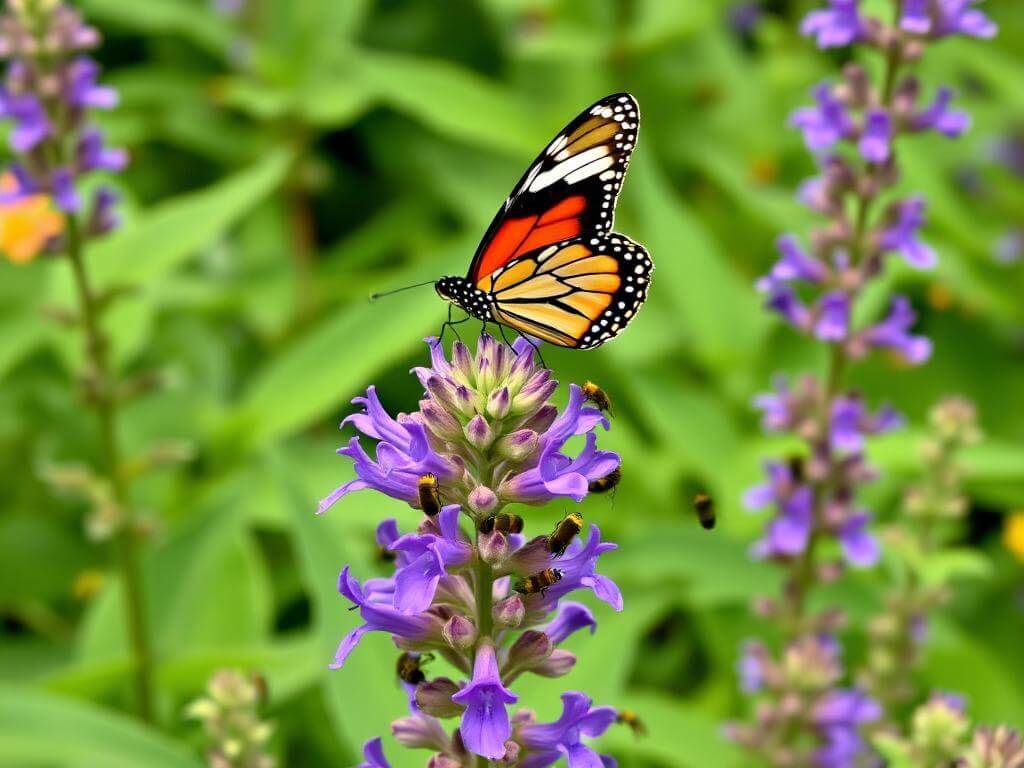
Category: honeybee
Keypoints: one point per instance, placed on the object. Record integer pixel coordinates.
(704, 506)
(597, 396)
(503, 523)
(564, 533)
(606, 483)
(539, 582)
(628, 717)
(409, 667)
(385, 555)
(430, 499)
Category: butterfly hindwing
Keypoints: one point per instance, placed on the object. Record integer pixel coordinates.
(569, 191)
(573, 294)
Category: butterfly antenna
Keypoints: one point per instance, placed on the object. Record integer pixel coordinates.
(381, 294)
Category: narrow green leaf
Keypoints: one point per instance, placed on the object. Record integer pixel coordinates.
(43, 729)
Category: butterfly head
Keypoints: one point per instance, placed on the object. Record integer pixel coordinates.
(463, 294)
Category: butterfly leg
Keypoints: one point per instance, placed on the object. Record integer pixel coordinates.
(451, 324)
(535, 348)
(504, 338)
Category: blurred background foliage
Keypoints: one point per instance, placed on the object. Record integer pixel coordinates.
(292, 158)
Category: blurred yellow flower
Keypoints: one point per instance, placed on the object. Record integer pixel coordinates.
(1013, 534)
(26, 224)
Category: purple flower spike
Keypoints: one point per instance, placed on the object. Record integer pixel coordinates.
(31, 125)
(833, 322)
(427, 559)
(824, 124)
(893, 333)
(788, 534)
(485, 725)
(900, 235)
(939, 117)
(784, 300)
(373, 755)
(794, 264)
(839, 25)
(859, 547)
(941, 18)
(877, 137)
(547, 743)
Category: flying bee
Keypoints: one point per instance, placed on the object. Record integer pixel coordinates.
(597, 396)
(430, 499)
(704, 506)
(564, 533)
(539, 582)
(606, 483)
(503, 523)
(628, 717)
(409, 667)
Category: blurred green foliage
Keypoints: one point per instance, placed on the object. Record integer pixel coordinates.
(292, 159)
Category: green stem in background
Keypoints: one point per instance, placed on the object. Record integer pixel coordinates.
(103, 398)
(484, 598)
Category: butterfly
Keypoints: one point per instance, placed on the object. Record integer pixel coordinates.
(549, 265)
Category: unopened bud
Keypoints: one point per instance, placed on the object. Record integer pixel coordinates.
(559, 663)
(498, 403)
(532, 648)
(493, 547)
(434, 697)
(511, 756)
(459, 632)
(441, 760)
(482, 500)
(518, 445)
(510, 612)
(479, 433)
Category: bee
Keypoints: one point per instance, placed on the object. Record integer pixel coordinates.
(385, 555)
(539, 582)
(503, 523)
(597, 396)
(564, 533)
(430, 499)
(409, 667)
(606, 483)
(704, 506)
(628, 717)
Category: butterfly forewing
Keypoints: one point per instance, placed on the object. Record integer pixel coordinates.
(549, 265)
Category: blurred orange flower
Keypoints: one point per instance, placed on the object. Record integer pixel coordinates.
(26, 224)
(1013, 534)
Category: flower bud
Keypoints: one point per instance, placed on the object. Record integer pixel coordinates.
(534, 393)
(434, 697)
(419, 733)
(482, 500)
(459, 632)
(462, 363)
(442, 392)
(531, 649)
(518, 446)
(511, 756)
(479, 433)
(520, 371)
(559, 663)
(510, 612)
(440, 422)
(493, 548)
(441, 760)
(498, 403)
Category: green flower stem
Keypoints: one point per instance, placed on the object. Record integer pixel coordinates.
(103, 399)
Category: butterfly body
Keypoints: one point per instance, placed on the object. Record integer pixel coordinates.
(549, 265)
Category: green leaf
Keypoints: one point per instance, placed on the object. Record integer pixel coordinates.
(165, 17)
(359, 699)
(336, 360)
(718, 310)
(43, 729)
(678, 734)
(943, 567)
(453, 101)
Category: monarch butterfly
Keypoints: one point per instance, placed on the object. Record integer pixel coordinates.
(549, 265)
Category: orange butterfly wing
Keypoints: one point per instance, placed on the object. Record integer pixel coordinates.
(572, 294)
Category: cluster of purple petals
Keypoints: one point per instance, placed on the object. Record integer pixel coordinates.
(799, 693)
(841, 22)
(488, 433)
(48, 90)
